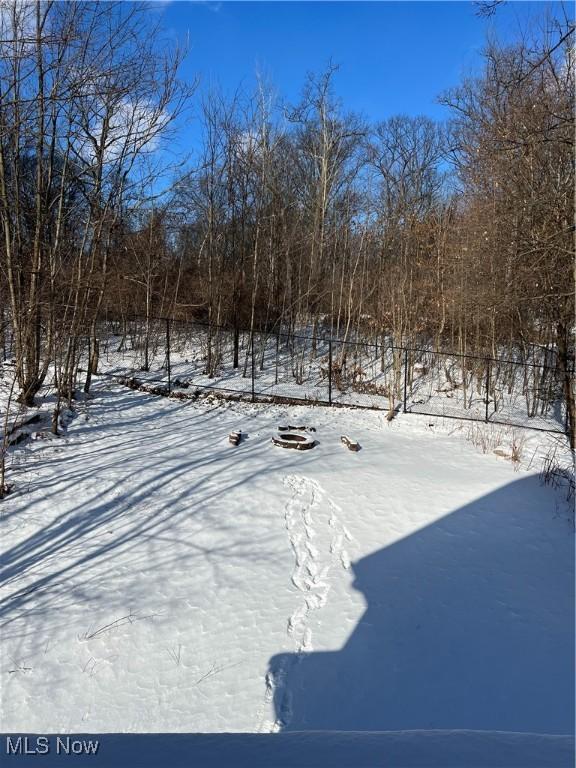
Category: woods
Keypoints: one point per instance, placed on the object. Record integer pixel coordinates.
(290, 217)
(84, 95)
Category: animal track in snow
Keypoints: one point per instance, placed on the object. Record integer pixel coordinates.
(310, 576)
(340, 533)
(300, 524)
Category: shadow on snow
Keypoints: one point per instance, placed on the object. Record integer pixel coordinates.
(469, 625)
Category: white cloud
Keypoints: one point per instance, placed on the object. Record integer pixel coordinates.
(133, 128)
(17, 26)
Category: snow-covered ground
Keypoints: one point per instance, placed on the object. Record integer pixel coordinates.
(156, 578)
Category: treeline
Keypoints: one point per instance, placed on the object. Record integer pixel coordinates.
(86, 91)
(456, 236)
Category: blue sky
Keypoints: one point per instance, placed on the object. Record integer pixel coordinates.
(394, 57)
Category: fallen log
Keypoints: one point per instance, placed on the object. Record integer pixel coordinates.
(352, 445)
(235, 437)
(301, 428)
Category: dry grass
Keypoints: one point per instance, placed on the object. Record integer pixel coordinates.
(502, 441)
(558, 472)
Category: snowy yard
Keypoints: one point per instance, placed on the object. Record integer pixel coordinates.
(157, 579)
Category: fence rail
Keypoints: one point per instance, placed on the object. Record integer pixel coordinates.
(283, 365)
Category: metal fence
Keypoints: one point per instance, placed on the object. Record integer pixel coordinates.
(287, 366)
(497, 390)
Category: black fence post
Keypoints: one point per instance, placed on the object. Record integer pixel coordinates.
(487, 387)
(168, 353)
(235, 348)
(405, 380)
(88, 365)
(330, 372)
(253, 368)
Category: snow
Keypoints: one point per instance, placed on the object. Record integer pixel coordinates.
(157, 579)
